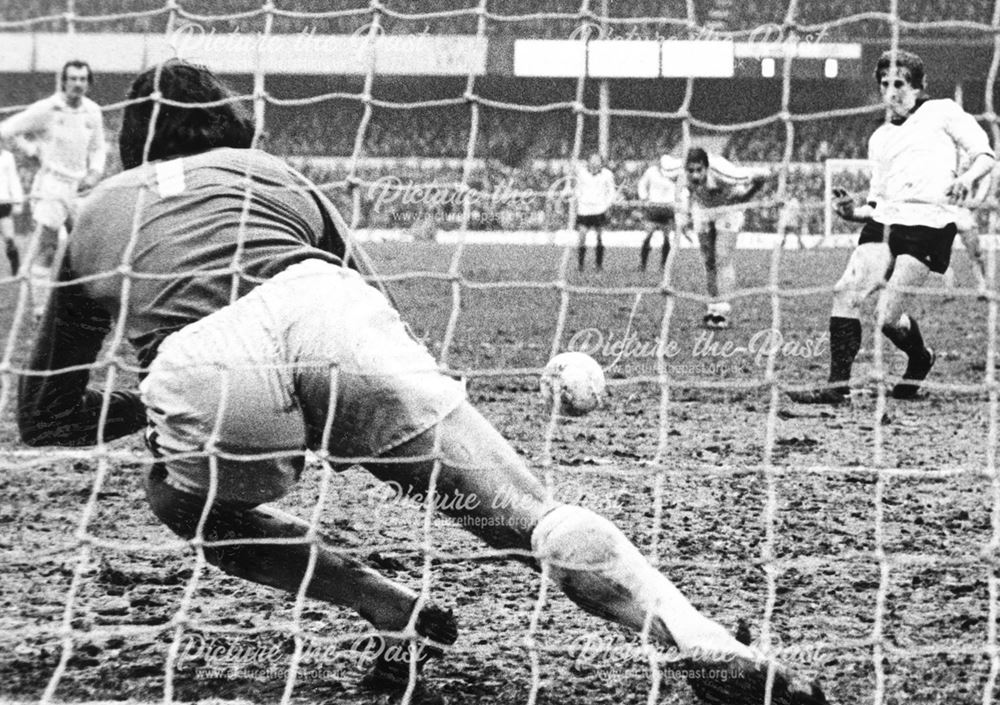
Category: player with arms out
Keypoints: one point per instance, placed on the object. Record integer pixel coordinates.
(909, 220)
(595, 192)
(258, 343)
(11, 203)
(65, 132)
(714, 188)
(658, 191)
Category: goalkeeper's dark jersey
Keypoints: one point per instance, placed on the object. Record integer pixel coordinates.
(156, 248)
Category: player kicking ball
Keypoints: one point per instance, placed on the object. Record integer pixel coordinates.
(711, 197)
(258, 343)
(909, 220)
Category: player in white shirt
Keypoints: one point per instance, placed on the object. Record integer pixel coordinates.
(595, 192)
(916, 198)
(714, 189)
(11, 200)
(658, 191)
(65, 132)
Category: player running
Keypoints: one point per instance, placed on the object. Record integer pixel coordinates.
(658, 191)
(259, 343)
(65, 132)
(595, 192)
(713, 191)
(11, 202)
(909, 220)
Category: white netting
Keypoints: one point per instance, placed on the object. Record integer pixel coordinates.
(857, 653)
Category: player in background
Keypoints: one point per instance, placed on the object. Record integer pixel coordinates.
(658, 191)
(595, 192)
(11, 202)
(909, 220)
(793, 221)
(714, 189)
(968, 231)
(65, 133)
(295, 351)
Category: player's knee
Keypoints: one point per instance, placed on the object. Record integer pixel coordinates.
(571, 538)
(179, 511)
(846, 303)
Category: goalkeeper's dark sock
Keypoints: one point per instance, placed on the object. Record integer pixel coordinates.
(644, 254)
(581, 256)
(599, 252)
(906, 337)
(665, 253)
(845, 341)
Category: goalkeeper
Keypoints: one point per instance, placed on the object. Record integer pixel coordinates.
(226, 270)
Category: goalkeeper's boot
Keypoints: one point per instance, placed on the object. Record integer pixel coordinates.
(832, 395)
(741, 681)
(917, 369)
(391, 667)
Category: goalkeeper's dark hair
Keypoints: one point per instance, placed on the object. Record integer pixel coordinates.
(906, 60)
(697, 155)
(179, 130)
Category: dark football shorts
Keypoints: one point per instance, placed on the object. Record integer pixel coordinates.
(660, 215)
(5, 210)
(598, 220)
(871, 232)
(932, 246)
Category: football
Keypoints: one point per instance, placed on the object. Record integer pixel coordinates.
(574, 382)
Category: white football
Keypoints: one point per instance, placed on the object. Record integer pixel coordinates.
(573, 381)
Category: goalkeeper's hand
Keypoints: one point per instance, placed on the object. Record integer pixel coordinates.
(739, 681)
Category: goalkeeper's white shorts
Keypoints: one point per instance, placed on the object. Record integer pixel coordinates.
(313, 356)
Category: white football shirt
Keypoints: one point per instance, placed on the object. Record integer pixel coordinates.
(659, 186)
(914, 163)
(70, 141)
(594, 192)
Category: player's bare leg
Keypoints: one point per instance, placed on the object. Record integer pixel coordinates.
(593, 562)
(706, 244)
(867, 269)
(901, 328)
(718, 267)
(39, 258)
(725, 256)
(336, 578)
(10, 245)
(970, 240)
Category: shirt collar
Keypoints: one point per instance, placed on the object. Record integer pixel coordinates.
(921, 99)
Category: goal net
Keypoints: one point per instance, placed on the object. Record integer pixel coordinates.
(856, 544)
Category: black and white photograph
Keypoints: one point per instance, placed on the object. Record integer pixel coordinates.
(447, 352)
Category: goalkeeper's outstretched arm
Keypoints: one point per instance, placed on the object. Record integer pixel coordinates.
(55, 406)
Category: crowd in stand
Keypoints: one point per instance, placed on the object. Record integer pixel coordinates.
(527, 18)
(513, 136)
(517, 149)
